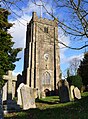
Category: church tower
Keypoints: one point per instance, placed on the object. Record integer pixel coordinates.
(41, 56)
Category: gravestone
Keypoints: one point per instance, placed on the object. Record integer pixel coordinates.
(28, 98)
(63, 89)
(10, 105)
(19, 99)
(10, 84)
(19, 95)
(77, 93)
(4, 95)
(35, 91)
(72, 92)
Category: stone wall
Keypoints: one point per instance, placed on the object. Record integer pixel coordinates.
(42, 62)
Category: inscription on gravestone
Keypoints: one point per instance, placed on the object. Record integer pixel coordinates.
(28, 98)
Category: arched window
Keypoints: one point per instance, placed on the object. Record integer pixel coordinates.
(46, 29)
(46, 78)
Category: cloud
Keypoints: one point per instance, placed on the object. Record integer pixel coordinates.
(15, 73)
(66, 64)
(65, 53)
(18, 31)
(79, 57)
(31, 7)
(66, 40)
(38, 9)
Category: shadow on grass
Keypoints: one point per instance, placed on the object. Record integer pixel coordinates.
(71, 110)
(48, 102)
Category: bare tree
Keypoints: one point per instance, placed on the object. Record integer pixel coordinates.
(73, 66)
(13, 6)
(71, 15)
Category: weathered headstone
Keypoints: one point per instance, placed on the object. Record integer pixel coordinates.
(77, 93)
(19, 95)
(19, 99)
(28, 98)
(63, 89)
(72, 92)
(4, 95)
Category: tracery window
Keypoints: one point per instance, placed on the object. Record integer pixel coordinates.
(46, 78)
(46, 29)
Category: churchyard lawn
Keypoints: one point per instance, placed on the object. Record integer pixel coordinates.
(51, 108)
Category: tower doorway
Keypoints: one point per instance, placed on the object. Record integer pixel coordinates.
(47, 92)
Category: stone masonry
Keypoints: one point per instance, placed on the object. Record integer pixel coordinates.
(41, 55)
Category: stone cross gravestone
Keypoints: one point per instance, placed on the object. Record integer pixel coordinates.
(9, 78)
(28, 98)
(77, 93)
(10, 104)
(63, 89)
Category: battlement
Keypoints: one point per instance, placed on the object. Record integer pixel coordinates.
(41, 20)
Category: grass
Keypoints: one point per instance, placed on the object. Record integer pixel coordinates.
(51, 108)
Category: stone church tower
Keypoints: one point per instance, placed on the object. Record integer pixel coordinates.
(41, 56)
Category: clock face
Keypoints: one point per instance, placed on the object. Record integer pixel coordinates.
(46, 56)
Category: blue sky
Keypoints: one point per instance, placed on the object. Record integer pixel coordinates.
(18, 31)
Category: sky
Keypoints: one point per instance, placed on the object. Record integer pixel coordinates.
(18, 31)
